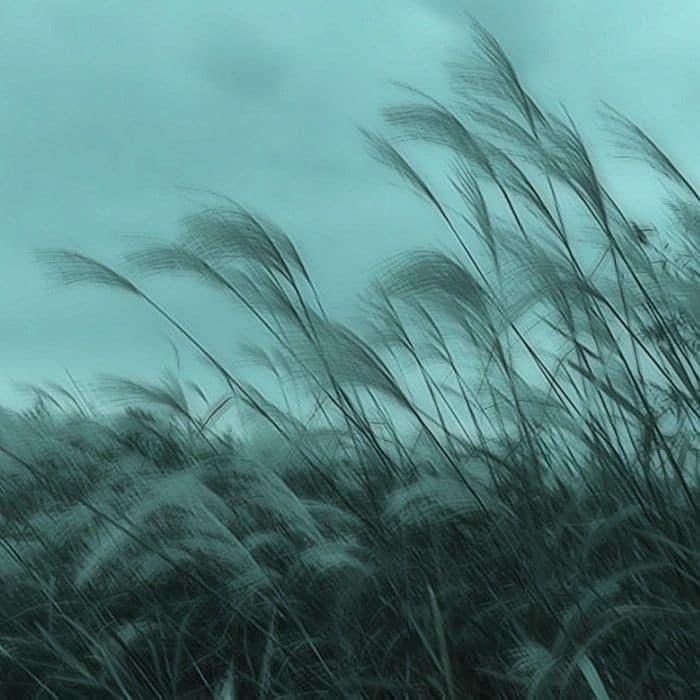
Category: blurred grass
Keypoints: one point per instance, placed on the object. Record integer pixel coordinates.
(527, 540)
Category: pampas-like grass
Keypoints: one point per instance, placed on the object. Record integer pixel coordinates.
(524, 538)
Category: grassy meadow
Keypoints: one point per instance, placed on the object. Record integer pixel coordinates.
(529, 537)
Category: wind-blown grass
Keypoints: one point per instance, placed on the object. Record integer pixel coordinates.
(533, 537)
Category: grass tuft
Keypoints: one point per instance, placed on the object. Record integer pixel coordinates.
(528, 527)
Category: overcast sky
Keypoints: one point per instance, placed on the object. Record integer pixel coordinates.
(108, 110)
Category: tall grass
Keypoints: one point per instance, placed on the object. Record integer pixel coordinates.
(532, 537)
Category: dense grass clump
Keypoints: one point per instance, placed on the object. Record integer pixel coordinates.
(529, 537)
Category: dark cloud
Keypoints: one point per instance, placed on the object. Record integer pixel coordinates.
(240, 60)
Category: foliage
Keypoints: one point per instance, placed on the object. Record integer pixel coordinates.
(531, 540)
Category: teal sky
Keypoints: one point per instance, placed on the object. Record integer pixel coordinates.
(108, 110)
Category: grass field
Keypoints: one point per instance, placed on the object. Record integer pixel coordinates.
(530, 537)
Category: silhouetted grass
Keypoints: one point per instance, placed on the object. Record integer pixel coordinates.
(531, 538)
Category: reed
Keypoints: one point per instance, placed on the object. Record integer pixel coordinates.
(532, 536)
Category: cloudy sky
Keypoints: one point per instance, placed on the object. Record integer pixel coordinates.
(109, 111)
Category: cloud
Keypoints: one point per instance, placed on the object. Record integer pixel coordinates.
(238, 58)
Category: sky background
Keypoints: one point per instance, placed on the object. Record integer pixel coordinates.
(109, 110)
